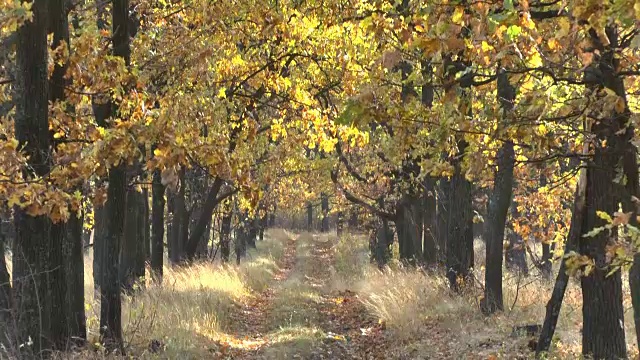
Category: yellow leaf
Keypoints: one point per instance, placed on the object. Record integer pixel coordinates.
(222, 93)
(456, 18)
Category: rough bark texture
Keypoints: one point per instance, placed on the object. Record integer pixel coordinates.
(494, 228)
(498, 207)
(459, 224)
(71, 231)
(409, 228)
(212, 200)
(133, 253)
(562, 279)
(110, 297)
(157, 227)
(77, 322)
(324, 200)
(603, 333)
(178, 223)
(225, 237)
(99, 240)
(5, 292)
(309, 217)
(430, 252)
(38, 261)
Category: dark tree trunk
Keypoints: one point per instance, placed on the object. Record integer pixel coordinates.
(157, 227)
(272, 219)
(498, 208)
(38, 252)
(430, 246)
(382, 243)
(516, 255)
(340, 224)
(110, 297)
(146, 223)
(225, 237)
(178, 223)
(212, 200)
(241, 241)
(171, 211)
(72, 231)
(263, 226)
(459, 224)
(99, 240)
(546, 261)
(409, 228)
(442, 208)
(602, 311)
(5, 292)
(75, 281)
(251, 230)
(324, 201)
(562, 279)
(309, 217)
(133, 253)
(603, 333)
(353, 218)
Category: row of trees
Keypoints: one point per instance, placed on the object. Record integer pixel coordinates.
(425, 116)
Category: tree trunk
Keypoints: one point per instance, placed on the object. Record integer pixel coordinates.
(177, 230)
(38, 255)
(5, 292)
(146, 225)
(212, 200)
(498, 208)
(225, 237)
(409, 228)
(459, 224)
(157, 227)
(603, 333)
(429, 239)
(133, 253)
(382, 246)
(241, 241)
(340, 224)
(110, 297)
(562, 279)
(99, 240)
(75, 280)
(309, 217)
(324, 200)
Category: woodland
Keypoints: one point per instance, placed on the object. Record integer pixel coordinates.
(319, 179)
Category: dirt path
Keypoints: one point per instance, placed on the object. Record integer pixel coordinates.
(298, 317)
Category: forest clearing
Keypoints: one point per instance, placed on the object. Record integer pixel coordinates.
(319, 179)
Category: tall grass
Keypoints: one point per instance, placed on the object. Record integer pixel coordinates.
(418, 308)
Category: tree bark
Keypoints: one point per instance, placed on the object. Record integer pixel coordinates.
(213, 199)
(110, 297)
(6, 303)
(309, 217)
(77, 326)
(38, 255)
(324, 200)
(409, 228)
(225, 237)
(178, 223)
(459, 224)
(562, 279)
(157, 227)
(498, 208)
(429, 238)
(132, 255)
(99, 240)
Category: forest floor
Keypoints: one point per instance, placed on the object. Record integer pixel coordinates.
(300, 316)
(314, 296)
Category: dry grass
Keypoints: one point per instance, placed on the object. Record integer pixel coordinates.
(420, 311)
(193, 305)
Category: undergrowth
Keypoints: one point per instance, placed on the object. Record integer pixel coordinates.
(192, 307)
(425, 319)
